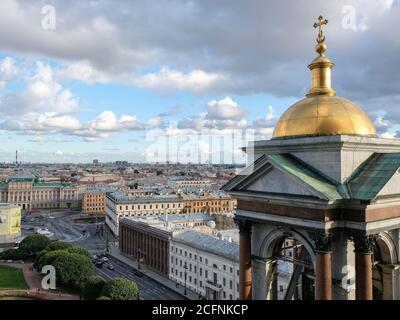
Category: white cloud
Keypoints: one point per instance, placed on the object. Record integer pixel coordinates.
(167, 80)
(225, 109)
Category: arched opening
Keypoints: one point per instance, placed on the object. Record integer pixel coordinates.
(384, 256)
(291, 274)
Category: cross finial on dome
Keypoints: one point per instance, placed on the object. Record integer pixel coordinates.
(321, 46)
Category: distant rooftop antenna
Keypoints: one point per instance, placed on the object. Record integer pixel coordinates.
(16, 157)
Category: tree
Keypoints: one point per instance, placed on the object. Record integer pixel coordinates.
(121, 289)
(79, 250)
(58, 245)
(33, 244)
(53, 246)
(93, 287)
(45, 258)
(73, 269)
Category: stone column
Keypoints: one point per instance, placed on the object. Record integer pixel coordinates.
(323, 266)
(262, 271)
(245, 280)
(363, 248)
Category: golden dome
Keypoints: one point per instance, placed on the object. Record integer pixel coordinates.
(324, 115)
(322, 112)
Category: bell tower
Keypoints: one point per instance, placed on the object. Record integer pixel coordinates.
(318, 210)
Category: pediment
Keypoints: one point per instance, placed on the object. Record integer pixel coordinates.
(278, 181)
(283, 174)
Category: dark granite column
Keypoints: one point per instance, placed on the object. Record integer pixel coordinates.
(323, 266)
(245, 280)
(364, 248)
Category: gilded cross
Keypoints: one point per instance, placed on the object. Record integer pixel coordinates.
(321, 22)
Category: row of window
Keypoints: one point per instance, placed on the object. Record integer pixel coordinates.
(189, 254)
(152, 206)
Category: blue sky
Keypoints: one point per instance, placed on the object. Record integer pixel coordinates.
(107, 79)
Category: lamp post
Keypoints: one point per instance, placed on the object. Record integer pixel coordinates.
(185, 267)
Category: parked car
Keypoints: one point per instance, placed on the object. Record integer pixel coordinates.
(99, 264)
(110, 266)
(138, 273)
(104, 259)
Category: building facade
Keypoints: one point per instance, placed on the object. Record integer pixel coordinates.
(28, 192)
(147, 244)
(94, 202)
(207, 265)
(121, 205)
(10, 225)
(211, 204)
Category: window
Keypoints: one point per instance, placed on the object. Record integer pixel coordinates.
(231, 284)
(231, 270)
(201, 272)
(224, 267)
(224, 281)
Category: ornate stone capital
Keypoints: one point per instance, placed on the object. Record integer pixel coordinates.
(322, 241)
(364, 243)
(243, 225)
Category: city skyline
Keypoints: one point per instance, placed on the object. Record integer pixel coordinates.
(102, 84)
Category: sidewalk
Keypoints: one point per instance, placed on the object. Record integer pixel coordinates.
(33, 280)
(114, 252)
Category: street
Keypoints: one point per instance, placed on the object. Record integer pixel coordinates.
(63, 227)
(149, 289)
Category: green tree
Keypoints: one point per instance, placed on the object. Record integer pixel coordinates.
(73, 269)
(33, 244)
(45, 258)
(53, 246)
(79, 250)
(58, 245)
(121, 289)
(93, 287)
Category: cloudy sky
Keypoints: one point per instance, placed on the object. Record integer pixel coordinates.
(107, 79)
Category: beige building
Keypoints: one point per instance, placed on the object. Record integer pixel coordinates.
(28, 192)
(94, 202)
(120, 205)
(211, 204)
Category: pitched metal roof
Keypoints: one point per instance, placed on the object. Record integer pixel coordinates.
(308, 175)
(366, 182)
(208, 243)
(292, 165)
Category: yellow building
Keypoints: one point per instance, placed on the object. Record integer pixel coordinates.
(211, 204)
(10, 223)
(94, 202)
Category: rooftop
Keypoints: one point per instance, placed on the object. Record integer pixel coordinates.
(208, 243)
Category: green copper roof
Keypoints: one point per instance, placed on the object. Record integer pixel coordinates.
(373, 175)
(309, 176)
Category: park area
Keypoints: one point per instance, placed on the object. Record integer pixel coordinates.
(12, 279)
